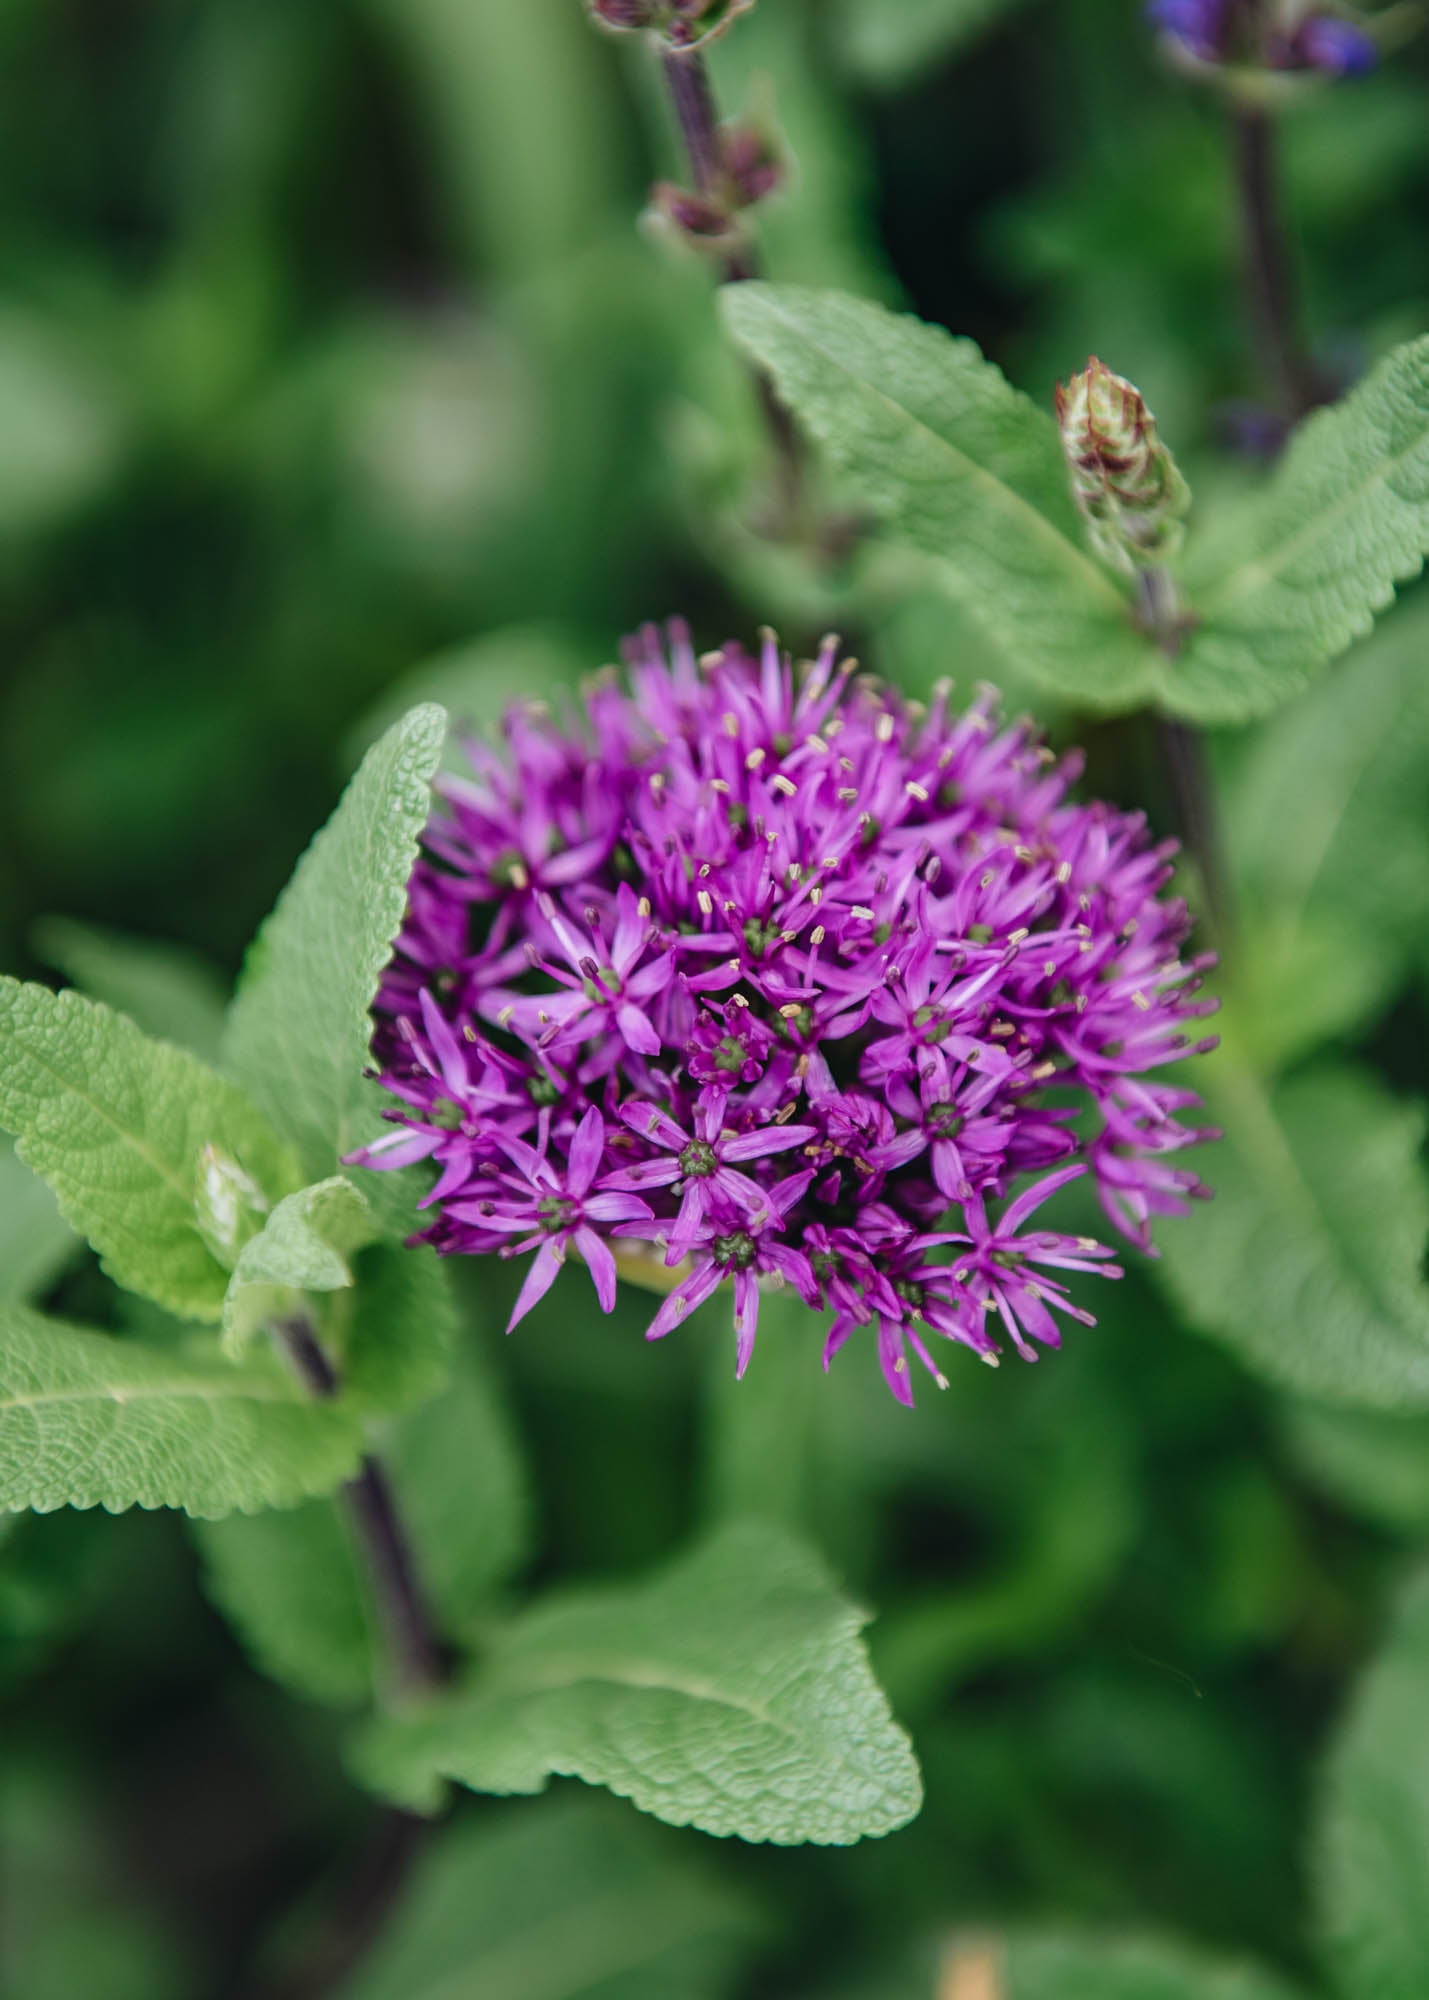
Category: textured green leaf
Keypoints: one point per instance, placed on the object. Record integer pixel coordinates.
(1289, 579)
(730, 1693)
(35, 1240)
(961, 466)
(573, 1900)
(886, 42)
(304, 1246)
(1309, 1262)
(1326, 826)
(91, 1421)
(1373, 1837)
(116, 1124)
(293, 1588)
(299, 1029)
(1078, 1968)
(166, 990)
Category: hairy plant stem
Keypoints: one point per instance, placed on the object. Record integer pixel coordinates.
(692, 95)
(1270, 286)
(1183, 752)
(407, 1625)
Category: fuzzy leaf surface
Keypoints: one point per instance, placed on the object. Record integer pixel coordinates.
(116, 1123)
(167, 990)
(1309, 1261)
(573, 1900)
(299, 1029)
(730, 1693)
(1373, 1841)
(293, 1588)
(960, 465)
(1290, 578)
(87, 1420)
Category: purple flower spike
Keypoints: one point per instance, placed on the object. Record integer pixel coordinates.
(796, 985)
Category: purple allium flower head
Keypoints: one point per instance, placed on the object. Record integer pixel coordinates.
(771, 977)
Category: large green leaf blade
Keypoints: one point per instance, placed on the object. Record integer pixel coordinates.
(299, 1029)
(573, 1900)
(1373, 1840)
(35, 1240)
(116, 1124)
(87, 1420)
(291, 1583)
(731, 1693)
(1293, 576)
(1309, 1262)
(961, 466)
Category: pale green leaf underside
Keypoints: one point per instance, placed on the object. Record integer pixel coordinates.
(165, 989)
(299, 1029)
(1373, 1840)
(291, 1584)
(87, 1420)
(960, 465)
(1299, 571)
(1092, 1968)
(1308, 1263)
(576, 1899)
(115, 1123)
(730, 1693)
(1373, 1462)
(304, 1246)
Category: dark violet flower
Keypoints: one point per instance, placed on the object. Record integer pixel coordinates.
(1280, 38)
(773, 978)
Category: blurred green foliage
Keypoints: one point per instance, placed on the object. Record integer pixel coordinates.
(335, 374)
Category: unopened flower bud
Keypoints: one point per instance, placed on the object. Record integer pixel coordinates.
(229, 1205)
(753, 165)
(1124, 480)
(703, 221)
(1289, 37)
(624, 15)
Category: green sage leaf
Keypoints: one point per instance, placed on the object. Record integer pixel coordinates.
(304, 1246)
(960, 465)
(299, 1029)
(731, 1692)
(167, 990)
(87, 1420)
(1296, 573)
(117, 1124)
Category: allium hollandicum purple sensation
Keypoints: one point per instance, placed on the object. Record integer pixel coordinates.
(770, 976)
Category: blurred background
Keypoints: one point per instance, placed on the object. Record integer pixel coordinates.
(336, 369)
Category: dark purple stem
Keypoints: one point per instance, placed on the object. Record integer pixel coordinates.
(692, 96)
(1270, 285)
(405, 1618)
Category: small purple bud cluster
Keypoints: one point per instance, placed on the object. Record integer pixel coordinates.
(774, 977)
(1226, 31)
(749, 168)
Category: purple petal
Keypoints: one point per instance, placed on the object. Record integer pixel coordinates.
(541, 1274)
